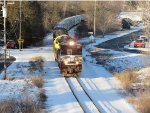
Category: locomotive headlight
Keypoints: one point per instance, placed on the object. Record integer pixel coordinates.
(65, 62)
(71, 43)
(77, 62)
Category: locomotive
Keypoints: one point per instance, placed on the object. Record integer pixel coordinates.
(68, 53)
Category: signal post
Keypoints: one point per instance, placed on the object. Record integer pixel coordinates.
(20, 42)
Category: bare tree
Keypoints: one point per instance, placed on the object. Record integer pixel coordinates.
(65, 8)
(106, 19)
(106, 15)
(50, 13)
(145, 6)
(88, 8)
(54, 11)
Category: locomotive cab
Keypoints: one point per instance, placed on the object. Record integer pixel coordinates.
(58, 32)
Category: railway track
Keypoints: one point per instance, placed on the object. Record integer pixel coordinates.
(89, 96)
(82, 96)
(75, 96)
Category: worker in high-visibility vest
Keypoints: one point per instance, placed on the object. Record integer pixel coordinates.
(56, 44)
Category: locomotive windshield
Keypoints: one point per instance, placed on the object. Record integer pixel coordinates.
(60, 32)
(71, 51)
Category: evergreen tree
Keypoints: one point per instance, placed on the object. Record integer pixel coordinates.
(32, 28)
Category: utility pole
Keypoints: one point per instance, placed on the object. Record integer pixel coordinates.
(20, 40)
(94, 17)
(20, 28)
(5, 44)
(4, 9)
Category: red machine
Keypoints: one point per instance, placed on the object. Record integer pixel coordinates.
(11, 44)
(139, 43)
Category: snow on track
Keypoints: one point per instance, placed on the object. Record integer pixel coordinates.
(60, 98)
(81, 96)
(96, 83)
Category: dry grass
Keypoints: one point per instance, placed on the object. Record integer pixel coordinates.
(36, 63)
(142, 102)
(10, 78)
(103, 58)
(127, 78)
(147, 82)
(37, 81)
(26, 105)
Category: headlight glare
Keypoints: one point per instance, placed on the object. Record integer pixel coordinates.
(65, 62)
(71, 43)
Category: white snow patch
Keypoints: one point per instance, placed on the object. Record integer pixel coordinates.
(16, 89)
(134, 16)
(124, 60)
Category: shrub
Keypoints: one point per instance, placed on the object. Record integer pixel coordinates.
(42, 95)
(147, 82)
(25, 105)
(37, 81)
(141, 102)
(36, 63)
(127, 78)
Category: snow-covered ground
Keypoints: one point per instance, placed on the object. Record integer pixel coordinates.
(101, 84)
(134, 16)
(100, 39)
(17, 89)
(118, 61)
(97, 81)
(60, 98)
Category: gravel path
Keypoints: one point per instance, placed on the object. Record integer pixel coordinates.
(119, 43)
